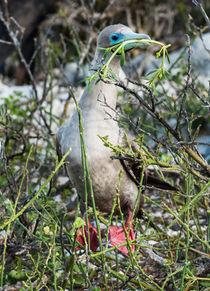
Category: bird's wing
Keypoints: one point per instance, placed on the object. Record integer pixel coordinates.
(133, 167)
(59, 147)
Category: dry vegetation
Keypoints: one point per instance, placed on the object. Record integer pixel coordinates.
(37, 233)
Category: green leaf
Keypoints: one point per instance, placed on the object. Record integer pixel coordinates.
(167, 57)
(101, 48)
(157, 55)
(97, 81)
(165, 73)
(79, 222)
(83, 80)
(96, 288)
(205, 284)
(154, 90)
(113, 74)
(154, 71)
(89, 86)
(107, 52)
(122, 59)
(18, 275)
(144, 78)
(160, 75)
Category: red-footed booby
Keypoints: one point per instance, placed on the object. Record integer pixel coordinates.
(103, 170)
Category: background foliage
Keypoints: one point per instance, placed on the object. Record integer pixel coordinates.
(38, 205)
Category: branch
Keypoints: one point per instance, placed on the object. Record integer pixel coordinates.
(200, 7)
(165, 124)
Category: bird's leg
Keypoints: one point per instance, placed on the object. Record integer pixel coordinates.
(93, 237)
(117, 235)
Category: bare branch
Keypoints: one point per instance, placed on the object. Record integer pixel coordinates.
(200, 7)
(187, 83)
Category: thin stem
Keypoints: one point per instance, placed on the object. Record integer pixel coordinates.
(15, 216)
(88, 178)
(120, 47)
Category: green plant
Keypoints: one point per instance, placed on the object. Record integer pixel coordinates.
(120, 49)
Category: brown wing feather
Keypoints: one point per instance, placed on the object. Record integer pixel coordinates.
(134, 169)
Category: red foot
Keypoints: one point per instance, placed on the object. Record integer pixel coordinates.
(93, 237)
(117, 235)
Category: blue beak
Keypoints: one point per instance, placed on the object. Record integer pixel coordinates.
(129, 35)
(125, 35)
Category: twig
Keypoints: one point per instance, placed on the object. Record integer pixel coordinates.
(6, 42)
(206, 102)
(15, 216)
(17, 45)
(61, 240)
(157, 116)
(200, 7)
(186, 85)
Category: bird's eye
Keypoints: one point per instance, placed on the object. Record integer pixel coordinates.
(115, 37)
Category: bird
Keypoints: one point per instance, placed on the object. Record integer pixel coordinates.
(104, 171)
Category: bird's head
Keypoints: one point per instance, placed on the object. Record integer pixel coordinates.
(119, 33)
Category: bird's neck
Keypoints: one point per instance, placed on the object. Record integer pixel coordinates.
(98, 111)
(102, 96)
(98, 61)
